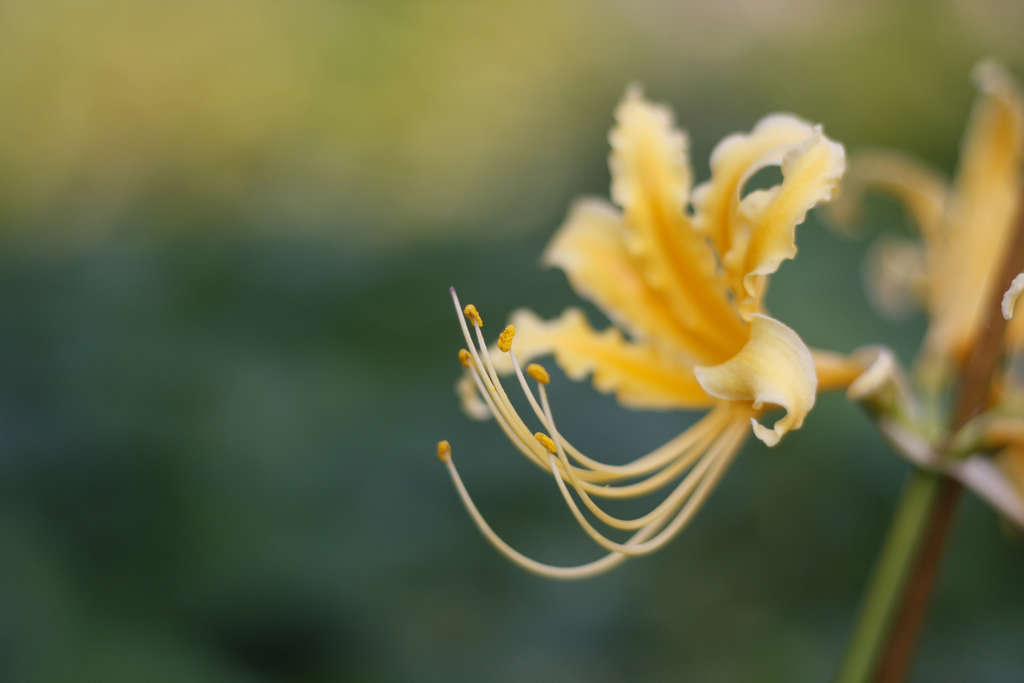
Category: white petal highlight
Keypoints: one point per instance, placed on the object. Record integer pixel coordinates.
(1011, 295)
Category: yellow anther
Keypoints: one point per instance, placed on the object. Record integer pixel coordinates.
(473, 315)
(444, 451)
(538, 373)
(464, 357)
(546, 442)
(505, 339)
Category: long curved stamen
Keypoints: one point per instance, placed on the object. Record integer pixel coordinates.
(694, 490)
(493, 393)
(582, 571)
(726, 452)
(663, 508)
(511, 424)
(704, 449)
(529, 447)
(647, 463)
(698, 435)
(501, 407)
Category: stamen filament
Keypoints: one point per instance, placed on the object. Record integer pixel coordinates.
(527, 447)
(704, 450)
(499, 402)
(582, 571)
(533, 451)
(720, 454)
(647, 463)
(664, 507)
(492, 391)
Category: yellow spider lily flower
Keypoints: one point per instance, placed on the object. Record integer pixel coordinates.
(965, 227)
(687, 288)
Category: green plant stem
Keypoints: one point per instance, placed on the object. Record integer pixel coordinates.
(885, 589)
(972, 398)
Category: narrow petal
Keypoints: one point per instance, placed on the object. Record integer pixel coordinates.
(734, 160)
(835, 370)
(640, 375)
(921, 190)
(651, 180)
(774, 367)
(810, 174)
(650, 157)
(981, 213)
(591, 248)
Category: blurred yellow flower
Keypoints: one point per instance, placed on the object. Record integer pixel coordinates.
(965, 227)
(688, 288)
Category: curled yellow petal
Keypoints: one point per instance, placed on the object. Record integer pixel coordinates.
(650, 157)
(651, 180)
(981, 213)
(810, 174)
(591, 248)
(774, 367)
(640, 375)
(734, 161)
(872, 377)
(921, 190)
(880, 369)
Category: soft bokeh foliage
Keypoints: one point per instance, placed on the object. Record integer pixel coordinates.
(227, 353)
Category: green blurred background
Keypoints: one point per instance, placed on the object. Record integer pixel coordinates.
(228, 230)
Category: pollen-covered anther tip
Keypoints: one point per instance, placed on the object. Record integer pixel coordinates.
(473, 315)
(464, 358)
(538, 373)
(546, 442)
(444, 451)
(506, 337)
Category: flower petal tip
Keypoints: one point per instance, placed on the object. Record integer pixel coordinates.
(774, 367)
(770, 437)
(1011, 295)
(881, 367)
(991, 77)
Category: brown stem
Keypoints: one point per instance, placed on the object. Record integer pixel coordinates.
(981, 365)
